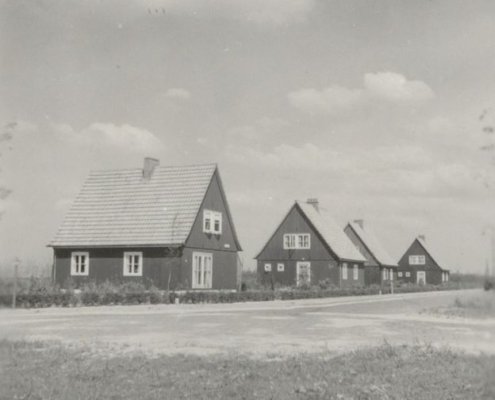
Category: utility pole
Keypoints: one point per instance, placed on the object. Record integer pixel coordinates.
(493, 250)
(491, 229)
(14, 292)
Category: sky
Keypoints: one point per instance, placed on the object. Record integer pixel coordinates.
(382, 110)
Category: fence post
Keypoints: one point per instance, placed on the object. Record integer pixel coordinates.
(14, 294)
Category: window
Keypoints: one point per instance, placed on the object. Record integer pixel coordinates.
(297, 241)
(408, 274)
(280, 267)
(202, 270)
(79, 263)
(391, 274)
(355, 272)
(399, 274)
(268, 267)
(446, 277)
(212, 222)
(133, 263)
(384, 274)
(417, 260)
(344, 271)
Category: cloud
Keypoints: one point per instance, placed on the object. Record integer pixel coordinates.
(385, 86)
(178, 93)
(309, 157)
(329, 100)
(393, 170)
(260, 12)
(394, 86)
(124, 137)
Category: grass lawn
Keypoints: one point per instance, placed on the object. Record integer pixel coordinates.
(47, 371)
(480, 305)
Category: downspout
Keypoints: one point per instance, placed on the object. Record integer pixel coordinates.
(54, 268)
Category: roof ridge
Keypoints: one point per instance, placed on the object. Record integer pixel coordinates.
(91, 171)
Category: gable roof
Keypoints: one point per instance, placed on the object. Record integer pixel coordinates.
(369, 239)
(331, 232)
(427, 248)
(121, 208)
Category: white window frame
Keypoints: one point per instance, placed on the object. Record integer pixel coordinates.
(212, 217)
(391, 274)
(399, 274)
(75, 263)
(344, 271)
(298, 272)
(202, 268)
(297, 241)
(268, 267)
(280, 267)
(408, 274)
(384, 274)
(355, 272)
(126, 270)
(446, 276)
(417, 260)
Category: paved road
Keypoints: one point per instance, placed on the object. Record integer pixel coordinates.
(334, 325)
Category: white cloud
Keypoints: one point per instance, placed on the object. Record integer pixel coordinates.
(125, 137)
(394, 86)
(178, 93)
(261, 12)
(329, 100)
(389, 86)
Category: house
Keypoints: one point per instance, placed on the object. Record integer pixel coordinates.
(379, 267)
(420, 265)
(308, 247)
(166, 226)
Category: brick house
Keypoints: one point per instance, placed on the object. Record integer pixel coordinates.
(166, 226)
(307, 247)
(379, 267)
(419, 265)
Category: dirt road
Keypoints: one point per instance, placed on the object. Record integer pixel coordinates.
(338, 324)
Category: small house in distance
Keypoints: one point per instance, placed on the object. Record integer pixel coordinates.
(308, 247)
(379, 267)
(164, 226)
(419, 265)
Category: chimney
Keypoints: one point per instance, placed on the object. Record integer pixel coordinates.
(422, 237)
(315, 203)
(149, 166)
(360, 222)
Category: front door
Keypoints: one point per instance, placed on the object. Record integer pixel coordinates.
(420, 277)
(303, 271)
(202, 270)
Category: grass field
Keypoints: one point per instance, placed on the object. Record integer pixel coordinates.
(50, 371)
(479, 305)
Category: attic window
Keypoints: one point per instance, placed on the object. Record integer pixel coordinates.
(297, 241)
(79, 263)
(212, 222)
(417, 260)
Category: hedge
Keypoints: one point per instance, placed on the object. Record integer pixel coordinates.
(109, 294)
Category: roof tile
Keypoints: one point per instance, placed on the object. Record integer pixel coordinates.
(120, 207)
